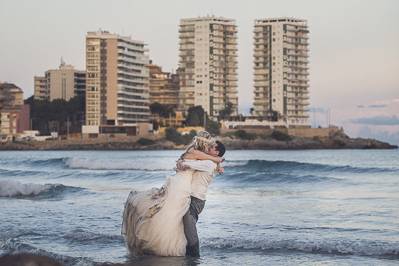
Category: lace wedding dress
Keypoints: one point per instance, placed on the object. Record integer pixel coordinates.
(153, 219)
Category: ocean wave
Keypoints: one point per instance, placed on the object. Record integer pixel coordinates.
(15, 189)
(9, 172)
(90, 164)
(45, 162)
(80, 237)
(265, 165)
(319, 246)
(272, 178)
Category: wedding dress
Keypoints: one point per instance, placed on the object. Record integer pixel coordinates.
(153, 219)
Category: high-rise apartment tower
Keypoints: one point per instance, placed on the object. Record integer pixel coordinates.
(281, 70)
(208, 64)
(117, 90)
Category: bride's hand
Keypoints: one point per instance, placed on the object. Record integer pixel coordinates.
(219, 159)
(220, 170)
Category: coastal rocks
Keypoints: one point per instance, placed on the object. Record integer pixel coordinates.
(335, 141)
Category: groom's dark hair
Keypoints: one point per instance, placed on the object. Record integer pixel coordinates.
(220, 148)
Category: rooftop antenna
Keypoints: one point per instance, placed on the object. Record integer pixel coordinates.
(62, 62)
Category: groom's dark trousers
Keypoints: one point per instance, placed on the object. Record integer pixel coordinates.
(190, 226)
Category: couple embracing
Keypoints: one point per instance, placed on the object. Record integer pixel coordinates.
(162, 221)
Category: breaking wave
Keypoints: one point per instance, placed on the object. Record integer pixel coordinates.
(15, 189)
(264, 165)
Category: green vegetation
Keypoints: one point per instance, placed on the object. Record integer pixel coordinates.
(173, 135)
(53, 116)
(280, 135)
(242, 134)
(213, 127)
(195, 117)
(145, 142)
(162, 110)
(226, 112)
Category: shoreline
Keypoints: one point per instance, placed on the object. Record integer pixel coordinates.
(231, 143)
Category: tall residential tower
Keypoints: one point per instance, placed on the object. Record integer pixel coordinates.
(208, 64)
(117, 90)
(281, 70)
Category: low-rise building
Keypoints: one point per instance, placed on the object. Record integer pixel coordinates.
(164, 86)
(11, 110)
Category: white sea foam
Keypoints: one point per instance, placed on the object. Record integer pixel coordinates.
(234, 163)
(10, 188)
(145, 164)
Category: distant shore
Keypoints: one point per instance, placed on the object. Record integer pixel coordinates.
(295, 143)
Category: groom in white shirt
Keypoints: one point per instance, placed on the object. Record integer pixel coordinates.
(199, 186)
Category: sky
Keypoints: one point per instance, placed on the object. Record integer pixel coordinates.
(354, 47)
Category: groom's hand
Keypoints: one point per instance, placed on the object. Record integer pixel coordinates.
(180, 166)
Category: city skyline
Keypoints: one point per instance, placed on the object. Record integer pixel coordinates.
(353, 54)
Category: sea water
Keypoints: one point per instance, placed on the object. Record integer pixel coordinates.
(323, 207)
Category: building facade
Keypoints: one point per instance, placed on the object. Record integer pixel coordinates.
(11, 96)
(117, 89)
(41, 90)
(11, 104)
(281, 85)
(62, 83)
(208, 64)
(164, 86)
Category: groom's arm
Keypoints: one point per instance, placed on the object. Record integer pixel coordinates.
(193, 154)
(200, 165)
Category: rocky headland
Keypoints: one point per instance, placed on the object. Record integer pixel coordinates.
(233, 141)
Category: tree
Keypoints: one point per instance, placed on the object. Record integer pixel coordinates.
(226, 112)
(49, 116)
(173, 135)
(213, 127)
(163, 110)
(242, 134)
(195, 116)
(280, 135)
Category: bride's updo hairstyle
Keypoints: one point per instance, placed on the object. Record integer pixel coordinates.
(202, 142)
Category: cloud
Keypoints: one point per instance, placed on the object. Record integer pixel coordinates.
(377, 120)
(377, 106)
(372, 106)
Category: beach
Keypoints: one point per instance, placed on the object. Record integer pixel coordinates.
(335, 207)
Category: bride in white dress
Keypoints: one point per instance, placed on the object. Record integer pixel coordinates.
(153, 219)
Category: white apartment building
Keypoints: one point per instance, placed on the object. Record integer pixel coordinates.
(62, 83)
(281, 70)
(117, 86)
(208, 64)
